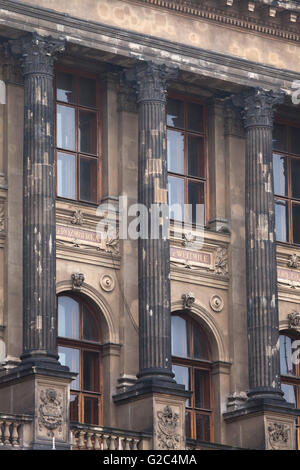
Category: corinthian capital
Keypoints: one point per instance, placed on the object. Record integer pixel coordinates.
(151, 81)
(259, 107)
(37, 53)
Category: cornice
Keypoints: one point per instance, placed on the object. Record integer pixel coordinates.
(285, 28)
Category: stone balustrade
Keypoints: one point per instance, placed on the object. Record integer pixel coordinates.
(85, 437)
(12, 429)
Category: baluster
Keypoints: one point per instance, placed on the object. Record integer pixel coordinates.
(97, 445)
(106, 442)
(89, 444)
(135, 444)
(7, 433)
(15, 435)
(114, 442)
(122, 443)
(81, 443)
(1, 433)
(127, 443)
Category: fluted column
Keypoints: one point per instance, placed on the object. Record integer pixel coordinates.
(154, 254)
(39, 234)
(263, 323)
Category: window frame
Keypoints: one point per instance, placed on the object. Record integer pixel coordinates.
(84, 345)
(185, 176)
(78, 155)
(289, 199)
(199, 364)
(293, 380)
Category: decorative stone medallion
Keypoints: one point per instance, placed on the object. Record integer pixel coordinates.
(168, 427)
(107, 282)
(50, 411)
(294, 320)
(217, 303)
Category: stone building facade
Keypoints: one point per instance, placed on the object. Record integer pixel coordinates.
(189, 340)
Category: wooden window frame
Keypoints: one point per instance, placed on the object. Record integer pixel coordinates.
(84, 345)
(289, 199)
(199, 364)
(78, 155)
(189, 99)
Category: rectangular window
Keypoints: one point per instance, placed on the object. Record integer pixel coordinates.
(286, 172)
(78, 156)
(187, 161)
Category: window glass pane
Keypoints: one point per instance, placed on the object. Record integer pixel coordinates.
(87, 132)
(279, 137)
(65, 87)
(90, 369)
(70, 357)
(202, 427)
(195, 117)
(68, 317)
(176, 197)
(87, 92)
(182, 377)
(88, 180)
(281, 220)
(90, 327)
(196, 202)
(296, 223)
(74, 404)
(180, 345)
(290, 393)
(66, 175)
(287, 366)
(295, 172)
(295, 140)
(280, 175)
(200, 344)
(91, 410)
(175, 152)
(196, 156)
(65, 127)
(202, 399)
(175, 113)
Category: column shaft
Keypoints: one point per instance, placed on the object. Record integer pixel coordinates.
(263, 323)
(154, 251)
(39, 230)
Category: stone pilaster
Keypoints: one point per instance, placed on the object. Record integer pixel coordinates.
(39, 233)
(262, 297)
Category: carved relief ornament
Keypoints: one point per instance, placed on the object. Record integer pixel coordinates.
(50, 411)
(168, 437)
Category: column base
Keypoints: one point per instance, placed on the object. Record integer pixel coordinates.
(264, 423)
(40, 392)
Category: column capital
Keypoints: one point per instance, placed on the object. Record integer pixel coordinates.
(37, 53)
(258, 106)
(151, 81)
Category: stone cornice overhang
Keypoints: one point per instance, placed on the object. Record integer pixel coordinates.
(226, 14)
(22, 17)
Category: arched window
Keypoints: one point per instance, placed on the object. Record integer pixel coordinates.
(192, 368)
(290, 372)
(79, 347)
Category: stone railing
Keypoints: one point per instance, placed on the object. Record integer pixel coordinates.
(202, 445)
(13, 430)
(86, 437)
